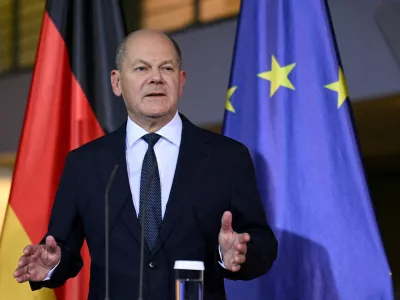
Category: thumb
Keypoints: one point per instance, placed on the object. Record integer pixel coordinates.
(51, 244)
(226, 222)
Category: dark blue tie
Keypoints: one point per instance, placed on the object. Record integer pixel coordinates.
(150, 183)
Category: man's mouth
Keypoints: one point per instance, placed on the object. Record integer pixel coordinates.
(156, 94)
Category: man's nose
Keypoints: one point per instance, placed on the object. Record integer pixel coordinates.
(156, 76)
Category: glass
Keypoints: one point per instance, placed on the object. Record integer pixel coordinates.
(189, 280)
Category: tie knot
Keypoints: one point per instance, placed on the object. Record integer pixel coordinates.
(151, 138)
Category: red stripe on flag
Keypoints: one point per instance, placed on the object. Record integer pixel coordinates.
(58, 119)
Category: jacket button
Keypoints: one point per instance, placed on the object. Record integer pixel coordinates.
(152, 265)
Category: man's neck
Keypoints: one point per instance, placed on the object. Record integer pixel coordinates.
(152, 124)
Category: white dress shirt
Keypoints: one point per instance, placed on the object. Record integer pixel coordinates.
(166, 150)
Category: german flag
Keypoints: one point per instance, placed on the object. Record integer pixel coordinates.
(70, 103)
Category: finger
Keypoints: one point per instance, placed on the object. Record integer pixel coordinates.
(235, 268)
(30, 249)
(21, 271)
(23, 278)
(51, 244)
(241, 248)
(37, 253)
(238, 259)
(23, 261)
(244, 237)
(226, 222)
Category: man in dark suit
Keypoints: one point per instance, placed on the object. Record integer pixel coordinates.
(200, 187)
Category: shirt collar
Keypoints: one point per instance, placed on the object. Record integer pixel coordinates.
(171, 132)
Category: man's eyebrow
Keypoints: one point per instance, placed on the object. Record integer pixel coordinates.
(169, 61)
(140, 61)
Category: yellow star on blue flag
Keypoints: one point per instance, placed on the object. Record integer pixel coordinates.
(228, 103)
(340, 87)
(278, 76)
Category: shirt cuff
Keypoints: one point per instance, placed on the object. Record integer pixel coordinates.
(48, 277)
(221, 261)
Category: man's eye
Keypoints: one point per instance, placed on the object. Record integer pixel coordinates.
(168, 69)
(140, 68)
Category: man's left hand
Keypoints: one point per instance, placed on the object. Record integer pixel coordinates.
(233, 245)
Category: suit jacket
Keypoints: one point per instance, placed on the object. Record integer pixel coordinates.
(213, 174)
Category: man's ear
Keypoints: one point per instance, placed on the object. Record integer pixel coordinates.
(116, 83)
(182, 82)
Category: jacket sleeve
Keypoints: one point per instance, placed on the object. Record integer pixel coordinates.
(66, 227)
(249, 216)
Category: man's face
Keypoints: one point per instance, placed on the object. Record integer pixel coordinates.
(150, 80)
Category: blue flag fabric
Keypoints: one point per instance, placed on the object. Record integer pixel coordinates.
(287, 102)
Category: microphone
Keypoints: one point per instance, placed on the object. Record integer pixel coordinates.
(147, 188)
(110, 180)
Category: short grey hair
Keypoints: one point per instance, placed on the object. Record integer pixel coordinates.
(120, 54)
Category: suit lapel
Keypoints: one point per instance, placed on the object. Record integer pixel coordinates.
(120, 194)
(194, 154)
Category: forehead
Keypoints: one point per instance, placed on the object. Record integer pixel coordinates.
(151, 48)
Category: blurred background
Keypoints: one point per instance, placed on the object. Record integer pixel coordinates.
(368, 38)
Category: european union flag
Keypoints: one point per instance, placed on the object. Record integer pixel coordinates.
(288, 103)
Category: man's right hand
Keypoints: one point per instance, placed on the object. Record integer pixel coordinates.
(37, 261)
